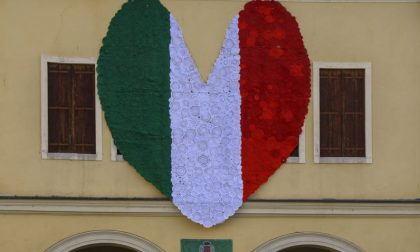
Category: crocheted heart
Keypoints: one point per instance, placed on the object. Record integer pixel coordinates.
(207, 146)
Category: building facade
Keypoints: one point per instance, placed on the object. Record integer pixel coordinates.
(352, 185)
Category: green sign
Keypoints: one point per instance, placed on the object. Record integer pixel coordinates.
(190, 245)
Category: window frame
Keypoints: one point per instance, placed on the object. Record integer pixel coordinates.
(301, 151)
(114, 154)
(45, 59)
(367, 66)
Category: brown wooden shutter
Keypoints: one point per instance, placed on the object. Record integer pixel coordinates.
(353, 86)
(330, 113)
(59, 107)
(71, 108)
(342, 125)
(84, 109)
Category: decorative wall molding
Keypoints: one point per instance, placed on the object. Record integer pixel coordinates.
(308, 238)
(104, 237)
(166, 208)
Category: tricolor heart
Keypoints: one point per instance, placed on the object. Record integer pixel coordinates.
(207, 146)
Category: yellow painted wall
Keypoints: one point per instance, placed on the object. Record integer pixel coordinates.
(385, 34)
(27, 233)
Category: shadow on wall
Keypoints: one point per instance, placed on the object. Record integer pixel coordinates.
(307, 249)
(308, 242)
(103, 248)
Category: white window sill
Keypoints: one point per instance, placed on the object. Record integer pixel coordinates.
(295, 160)
(71, 156)
(343, 160)
(117, 158)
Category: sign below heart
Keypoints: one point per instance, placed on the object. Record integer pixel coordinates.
(207, 146)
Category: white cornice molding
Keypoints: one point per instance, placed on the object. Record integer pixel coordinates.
(166, 208)
(315, 1)
(352, 1)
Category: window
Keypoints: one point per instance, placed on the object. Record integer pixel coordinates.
(115, 153)
(342, 112)
(71, 118)
(298, 154)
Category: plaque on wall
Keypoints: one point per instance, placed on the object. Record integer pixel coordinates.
(206, 245)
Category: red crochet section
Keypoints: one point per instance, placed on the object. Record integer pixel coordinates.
(275, 89)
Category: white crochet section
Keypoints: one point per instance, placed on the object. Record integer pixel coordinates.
(206, 133)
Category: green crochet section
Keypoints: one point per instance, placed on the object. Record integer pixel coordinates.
(134, 88)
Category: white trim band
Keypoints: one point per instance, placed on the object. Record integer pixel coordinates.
(352, 1)
(166, 208)
(315, 1)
